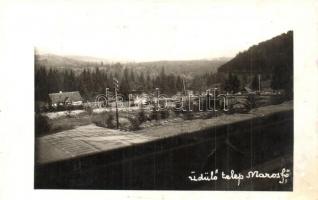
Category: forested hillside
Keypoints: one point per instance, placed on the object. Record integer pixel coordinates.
(264, 57)
(272, 59)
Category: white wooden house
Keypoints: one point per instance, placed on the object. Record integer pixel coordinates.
(66, 98)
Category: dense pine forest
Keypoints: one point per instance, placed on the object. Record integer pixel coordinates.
(93, 82)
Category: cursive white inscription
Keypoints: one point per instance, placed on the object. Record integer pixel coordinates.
(282, 176)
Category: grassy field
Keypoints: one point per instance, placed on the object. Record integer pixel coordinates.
(129, 120)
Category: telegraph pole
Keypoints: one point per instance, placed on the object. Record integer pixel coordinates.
(157, 103)
(214, 99)
(106, 94)
(259, 83)
(184, 88)
(115, 81)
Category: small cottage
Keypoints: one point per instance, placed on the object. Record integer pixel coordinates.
(65, 99)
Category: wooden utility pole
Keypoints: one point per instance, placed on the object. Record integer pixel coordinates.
(106, 95)
(157, 103)
(115, 81)
(259, 83)
(184, 88)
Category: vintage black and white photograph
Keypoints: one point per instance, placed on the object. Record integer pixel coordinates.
(165, 97)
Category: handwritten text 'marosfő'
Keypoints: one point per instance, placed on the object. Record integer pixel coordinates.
(282, 176)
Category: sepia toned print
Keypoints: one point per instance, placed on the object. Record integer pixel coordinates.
(222, 123)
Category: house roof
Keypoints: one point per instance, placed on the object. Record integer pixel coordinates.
(65, 96)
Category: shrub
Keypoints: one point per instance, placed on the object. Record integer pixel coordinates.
(211, 114)
(188, 115)
(142, 116)
(177, 112)
(89, 110)
(251, 101)
(109, 121)
(105, 120)
(63, 127)
(164, 114)
(155, 115)
(135, 124)
(42, 125)
(68, 110)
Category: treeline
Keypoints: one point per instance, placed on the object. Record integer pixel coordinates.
(93, 82)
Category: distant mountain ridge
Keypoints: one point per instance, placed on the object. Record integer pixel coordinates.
(78, 63)
(187, 67)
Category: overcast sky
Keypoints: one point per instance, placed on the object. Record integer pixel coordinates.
(157, 30)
